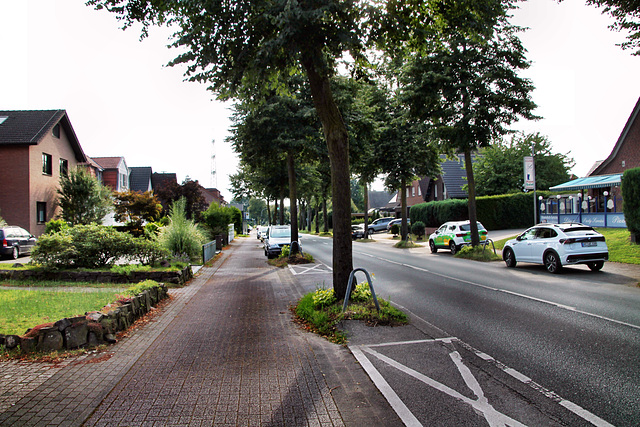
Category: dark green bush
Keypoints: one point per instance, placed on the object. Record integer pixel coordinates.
(418, 229)
(631, 199)
(55, 225)
(93, 246)
(395, 229)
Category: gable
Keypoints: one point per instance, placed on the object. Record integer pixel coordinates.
(29, 127)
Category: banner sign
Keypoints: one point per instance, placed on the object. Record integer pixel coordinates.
(529, 173)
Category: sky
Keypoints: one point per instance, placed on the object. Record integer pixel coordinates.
(123, 100)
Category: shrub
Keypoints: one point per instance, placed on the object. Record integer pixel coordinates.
(54, 250)
(395, 229)
(631, 199)
(361, 293)
(418, 229)
(148, 252)
(55, 225)
(217, 218)
(181, 236)
(140, 287)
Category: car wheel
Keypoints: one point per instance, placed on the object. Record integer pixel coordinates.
(453, 248)
(432, 246)
(369, 232)
(595, 265)
(15, 253)
(552, 262)
(509, 258)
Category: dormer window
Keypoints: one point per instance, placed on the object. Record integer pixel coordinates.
(2, 119)
(56, 130)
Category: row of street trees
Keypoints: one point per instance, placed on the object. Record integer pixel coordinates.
(453, 71)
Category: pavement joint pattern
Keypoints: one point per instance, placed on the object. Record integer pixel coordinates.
(224, 352)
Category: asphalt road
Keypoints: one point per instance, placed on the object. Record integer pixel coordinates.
(577, 334)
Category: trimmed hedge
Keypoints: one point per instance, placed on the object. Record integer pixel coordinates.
(494, 212)
(631, 199)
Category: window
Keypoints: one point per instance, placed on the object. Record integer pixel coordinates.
(2, 119)
(413, 191)
(123, 180)
(56, 130)
(41, 212)
(64, 167)
(419, 191)
(47, 167)
(407, 191)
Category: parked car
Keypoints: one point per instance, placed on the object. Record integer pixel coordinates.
(399, 222)
(380, 224)
(276, 237)
(259, 229)
(453, 235)
(357, 231)
(557, 245)
(15, 241)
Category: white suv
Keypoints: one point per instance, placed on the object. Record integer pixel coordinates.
(557, 245)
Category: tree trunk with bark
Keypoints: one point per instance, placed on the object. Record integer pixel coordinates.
(403, 206)
(336, 136)
(471, 183)
(293, 200)
(366, 211)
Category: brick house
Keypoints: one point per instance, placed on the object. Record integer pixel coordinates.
(36, 148)
(115, 173)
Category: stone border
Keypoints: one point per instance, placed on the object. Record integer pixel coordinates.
(177, 277)
(91, 330)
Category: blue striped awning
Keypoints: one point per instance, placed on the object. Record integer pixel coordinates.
(596, 181)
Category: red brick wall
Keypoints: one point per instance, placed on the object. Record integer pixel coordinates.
(14, 185)
(629, 152)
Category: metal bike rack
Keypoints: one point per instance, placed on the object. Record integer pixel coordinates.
(352, 277)
(297, 246)
(485, 243)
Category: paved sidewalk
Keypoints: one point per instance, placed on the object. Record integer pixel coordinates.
(224, 352)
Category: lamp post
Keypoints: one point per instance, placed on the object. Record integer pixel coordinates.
(558, 197)
(605, 194)
(541, 206)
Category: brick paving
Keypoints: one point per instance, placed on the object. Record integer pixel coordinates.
(224, 352)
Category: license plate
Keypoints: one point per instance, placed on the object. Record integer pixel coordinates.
(587, 244)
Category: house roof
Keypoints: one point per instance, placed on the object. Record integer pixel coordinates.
(139, 178)
(28, 127)
(379, 199)
(108, 162)
(160, 179)
(635, 114)
(454, 176)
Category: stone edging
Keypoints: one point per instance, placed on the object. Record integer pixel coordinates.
(92, 329)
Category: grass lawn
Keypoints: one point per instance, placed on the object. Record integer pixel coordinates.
(620, 248)
(22, 309)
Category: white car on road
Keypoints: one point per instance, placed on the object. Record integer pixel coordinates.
(558, 245)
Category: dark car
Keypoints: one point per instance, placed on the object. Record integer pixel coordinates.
(357, 231)
(15, 241)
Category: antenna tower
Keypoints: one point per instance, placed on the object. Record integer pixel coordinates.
(214, 176)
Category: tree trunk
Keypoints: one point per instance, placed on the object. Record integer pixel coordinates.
(268, 213)
(403, 206)
(293, 200)
(281, 210)
(366, 211)
(335, 133)
(317, 216)
(325, 215)
(274, 218)
(471, 184)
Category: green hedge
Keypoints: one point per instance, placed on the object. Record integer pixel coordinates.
(494, 212)
(631, 199)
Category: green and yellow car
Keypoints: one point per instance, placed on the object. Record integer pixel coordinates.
(453, 235)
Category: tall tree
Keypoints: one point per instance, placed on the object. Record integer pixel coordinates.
(498, 168)
(83, 199)
(464, 82)
(627, 16)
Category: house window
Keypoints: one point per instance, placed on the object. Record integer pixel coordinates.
(419, 191)
(407, 191)
(47, 167)
(123, 180)
(413, 191)
(56, 130)
(41, 212)
(64, 167)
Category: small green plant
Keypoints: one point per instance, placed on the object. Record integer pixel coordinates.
(361, 293)
(323, 297)
(140, 287)
(55, 226)
(418, 228)
(477, 253)
(286, 250)
(129, 268)
(395, 229)
(182, 235)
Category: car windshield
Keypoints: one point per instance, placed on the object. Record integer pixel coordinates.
(467, 227)
(280, 232)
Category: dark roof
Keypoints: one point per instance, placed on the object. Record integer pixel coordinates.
(454, 176)
(139, 178)
(623, 136)
(158, 180)
(379, 199)
(108, 162)
(30, 126)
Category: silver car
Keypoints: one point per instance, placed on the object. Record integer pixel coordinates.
(558, 245)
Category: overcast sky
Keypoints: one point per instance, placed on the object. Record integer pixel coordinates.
(123, 101)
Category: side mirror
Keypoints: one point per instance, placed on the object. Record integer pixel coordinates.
(519, 238)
